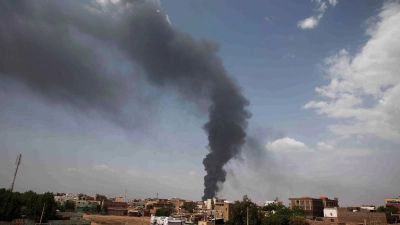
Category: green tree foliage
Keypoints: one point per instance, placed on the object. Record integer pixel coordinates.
(69, 206)
(163, 212)
(389, 209)
(280, 214)
(381, 209)
(105, 209)
(98, 208)
(61, 207)
(298, 220)
(274, 219)
(239, 213)
(10, 205)
(392, 209)
(34, 205)
(30, 204)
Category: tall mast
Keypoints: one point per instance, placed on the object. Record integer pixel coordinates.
(17, 162)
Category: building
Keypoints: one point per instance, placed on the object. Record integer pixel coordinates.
(368, 207)
(82, 205)
(394, 202)
(313, 207)
(119, 199)
(387, 200)
(153, 206)
(276, 201)
(98, 197)
(352, 216)
(223, 210)
(61, 199)
(116, 208)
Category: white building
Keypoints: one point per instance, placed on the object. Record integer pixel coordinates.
(330, 212)
(368, 207)
(64, 198)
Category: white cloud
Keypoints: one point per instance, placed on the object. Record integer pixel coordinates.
(373, 72)
(333, 2)
(325, 147)
(322, 7)
(313, 21)
(309, 23)
(103, 168)
(270, 18)
(288, 55)
(80, 171)
(287, 145)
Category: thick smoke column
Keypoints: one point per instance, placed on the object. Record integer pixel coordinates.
(140, 32)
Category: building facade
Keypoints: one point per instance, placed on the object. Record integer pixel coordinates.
(223, 210)
(313, 207)
(394, 202)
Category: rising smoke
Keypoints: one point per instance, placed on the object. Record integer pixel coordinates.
(42, 45)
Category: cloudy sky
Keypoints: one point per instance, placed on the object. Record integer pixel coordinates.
(322, 78)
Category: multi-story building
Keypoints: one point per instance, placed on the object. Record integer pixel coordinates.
(98, 197)
(313, 207)
(63, 198)
(223, 210)
(119, 199)
(395, 202)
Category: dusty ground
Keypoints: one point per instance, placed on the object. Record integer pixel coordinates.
(117, 220)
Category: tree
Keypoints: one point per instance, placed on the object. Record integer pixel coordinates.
(283, 215)
(10, 206)
(61, 207)
(239, 213)
(381, 209)
(298, 220)
(98, 208)
(389, 209)
(34, 205)
(270, 207)
(163, 212)
(274, 219)
(105, 209)
(70, 206)
(86, 209)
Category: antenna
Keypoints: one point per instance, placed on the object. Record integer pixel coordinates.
(17, 162)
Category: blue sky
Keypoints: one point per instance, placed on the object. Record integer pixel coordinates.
(322, 80)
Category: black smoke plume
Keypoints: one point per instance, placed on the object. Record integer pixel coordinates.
(39, 47)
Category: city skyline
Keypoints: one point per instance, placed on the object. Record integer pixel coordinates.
(321, 78)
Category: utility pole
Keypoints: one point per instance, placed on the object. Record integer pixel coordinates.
(17, 162)
(41, 217)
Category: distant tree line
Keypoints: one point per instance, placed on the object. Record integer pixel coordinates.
(389, 209)
(163, 212)
(14, 205)
(272, 214)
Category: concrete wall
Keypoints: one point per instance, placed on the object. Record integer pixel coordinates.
(358, 217)
(324, 223)
(330, 212)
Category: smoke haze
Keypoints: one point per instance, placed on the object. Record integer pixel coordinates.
(62, 51)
